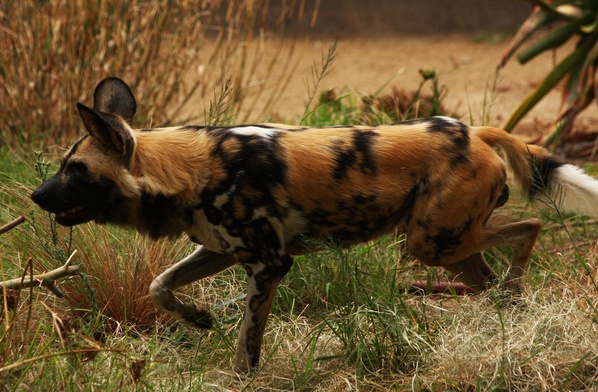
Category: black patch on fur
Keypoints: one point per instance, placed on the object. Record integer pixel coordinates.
(344, 159)
(360, 155)
(213, 214)
(364, 141)
(347, 223)
(262, 240)
(253, 172)
(161, 216)
(448, 238)
(405, 210)
(256, 163)
(457, 134)
(424, 188)
(542, 170)
(503, 198)
(361, 199)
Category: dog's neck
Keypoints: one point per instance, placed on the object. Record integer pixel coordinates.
(171, 162)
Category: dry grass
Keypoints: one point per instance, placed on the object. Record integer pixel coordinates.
(545, 342)
(52, 54)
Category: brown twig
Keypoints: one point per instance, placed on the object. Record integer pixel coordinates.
(12, 225)
(47, 279)
(425, 287)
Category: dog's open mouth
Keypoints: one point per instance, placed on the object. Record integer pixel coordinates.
(71, 212)
(73, 216)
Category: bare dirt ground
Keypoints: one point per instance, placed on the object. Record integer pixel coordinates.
(466, 66)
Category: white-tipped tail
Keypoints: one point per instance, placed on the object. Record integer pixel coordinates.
(574, 191)
(540, 175)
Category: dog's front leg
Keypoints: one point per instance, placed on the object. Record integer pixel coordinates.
(262, 281)
(198, 265)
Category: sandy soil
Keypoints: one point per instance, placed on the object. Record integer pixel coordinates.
(466, 67)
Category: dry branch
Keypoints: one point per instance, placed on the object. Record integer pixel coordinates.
(12, 225)
(47, 279)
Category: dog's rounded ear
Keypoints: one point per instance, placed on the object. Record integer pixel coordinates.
(114, 96)
(109, 129)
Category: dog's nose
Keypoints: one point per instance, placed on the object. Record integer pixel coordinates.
(37, 195)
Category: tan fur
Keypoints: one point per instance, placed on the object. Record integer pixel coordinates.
(517, 153)
(172, 162)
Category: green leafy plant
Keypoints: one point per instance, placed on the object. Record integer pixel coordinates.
(571, 20)
(401, 105)
(341, 106)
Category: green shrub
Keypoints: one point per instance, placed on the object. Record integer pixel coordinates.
(570, 21)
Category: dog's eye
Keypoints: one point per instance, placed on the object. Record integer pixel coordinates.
(77, 168)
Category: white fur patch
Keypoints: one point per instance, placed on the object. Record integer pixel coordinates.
(255, 131)
(450, 120)
(294, 224)
(575, 191)
(214, 238)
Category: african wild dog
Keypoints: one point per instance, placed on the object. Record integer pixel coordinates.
(251, 194)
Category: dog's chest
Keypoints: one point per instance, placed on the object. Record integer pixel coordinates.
(214, 237)
(260, 231)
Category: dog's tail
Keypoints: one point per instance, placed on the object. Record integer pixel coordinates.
(543, 177)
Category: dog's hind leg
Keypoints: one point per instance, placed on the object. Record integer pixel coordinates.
(521, 236)
(464, 258)
(198, 265)
(474, 272)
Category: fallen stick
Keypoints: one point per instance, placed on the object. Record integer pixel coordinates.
(47, 279)
(422, 286)
(12, 225)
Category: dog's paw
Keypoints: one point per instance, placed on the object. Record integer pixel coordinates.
(507, 297)
(196, 317)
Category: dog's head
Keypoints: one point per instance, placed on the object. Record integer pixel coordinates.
(94, 176)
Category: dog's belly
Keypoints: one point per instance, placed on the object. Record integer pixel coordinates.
(299, 232)
(344, 233)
